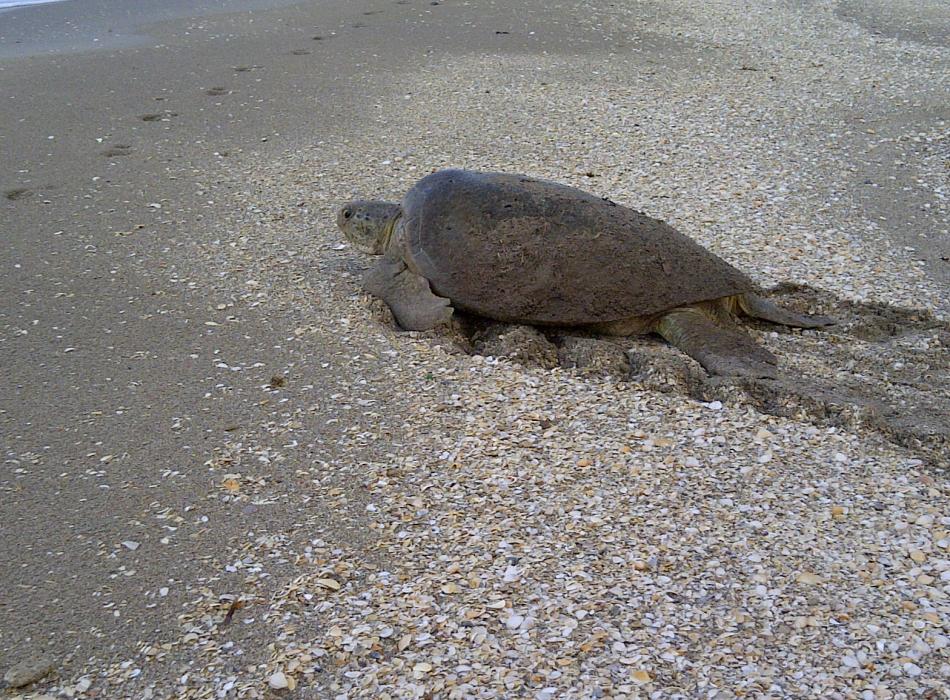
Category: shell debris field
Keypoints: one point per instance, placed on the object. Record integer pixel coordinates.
(515, 531)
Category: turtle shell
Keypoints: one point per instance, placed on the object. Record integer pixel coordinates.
(519, 249)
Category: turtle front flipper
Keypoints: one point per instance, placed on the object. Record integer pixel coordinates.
(407, 294)
(720, 350)
(759, 307)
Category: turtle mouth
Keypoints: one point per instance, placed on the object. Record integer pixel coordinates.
(363, 248)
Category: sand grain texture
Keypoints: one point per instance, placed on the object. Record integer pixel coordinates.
(392, 516)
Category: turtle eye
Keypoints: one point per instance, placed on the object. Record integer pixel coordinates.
(347, 213)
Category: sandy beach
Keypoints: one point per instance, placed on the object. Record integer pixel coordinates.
(227, 474)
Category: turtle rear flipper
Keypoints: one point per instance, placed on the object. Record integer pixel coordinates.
(408, 295)
(759, 307)
(720, 350)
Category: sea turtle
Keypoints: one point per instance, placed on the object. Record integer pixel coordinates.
(522, 250)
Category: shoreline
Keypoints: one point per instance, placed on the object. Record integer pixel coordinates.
(16, 4)
(59, 27)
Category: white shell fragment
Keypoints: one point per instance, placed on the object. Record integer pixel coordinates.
(278, 681)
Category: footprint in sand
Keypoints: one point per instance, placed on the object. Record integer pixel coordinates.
(158, 116)
(117, 150)
(18, 193)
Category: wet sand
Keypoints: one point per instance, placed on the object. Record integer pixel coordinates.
(113, 402)
(140, 380)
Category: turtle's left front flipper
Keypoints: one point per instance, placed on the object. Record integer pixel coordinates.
(721, 350)
(407, 294)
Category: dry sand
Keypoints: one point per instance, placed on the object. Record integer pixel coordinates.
(226, 472)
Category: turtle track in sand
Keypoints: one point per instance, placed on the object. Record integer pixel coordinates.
(881, 368)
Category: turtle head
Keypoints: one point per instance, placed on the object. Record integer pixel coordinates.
(368, 224)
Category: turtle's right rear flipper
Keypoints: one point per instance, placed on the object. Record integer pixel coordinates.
(759, 307)
(719, 349)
